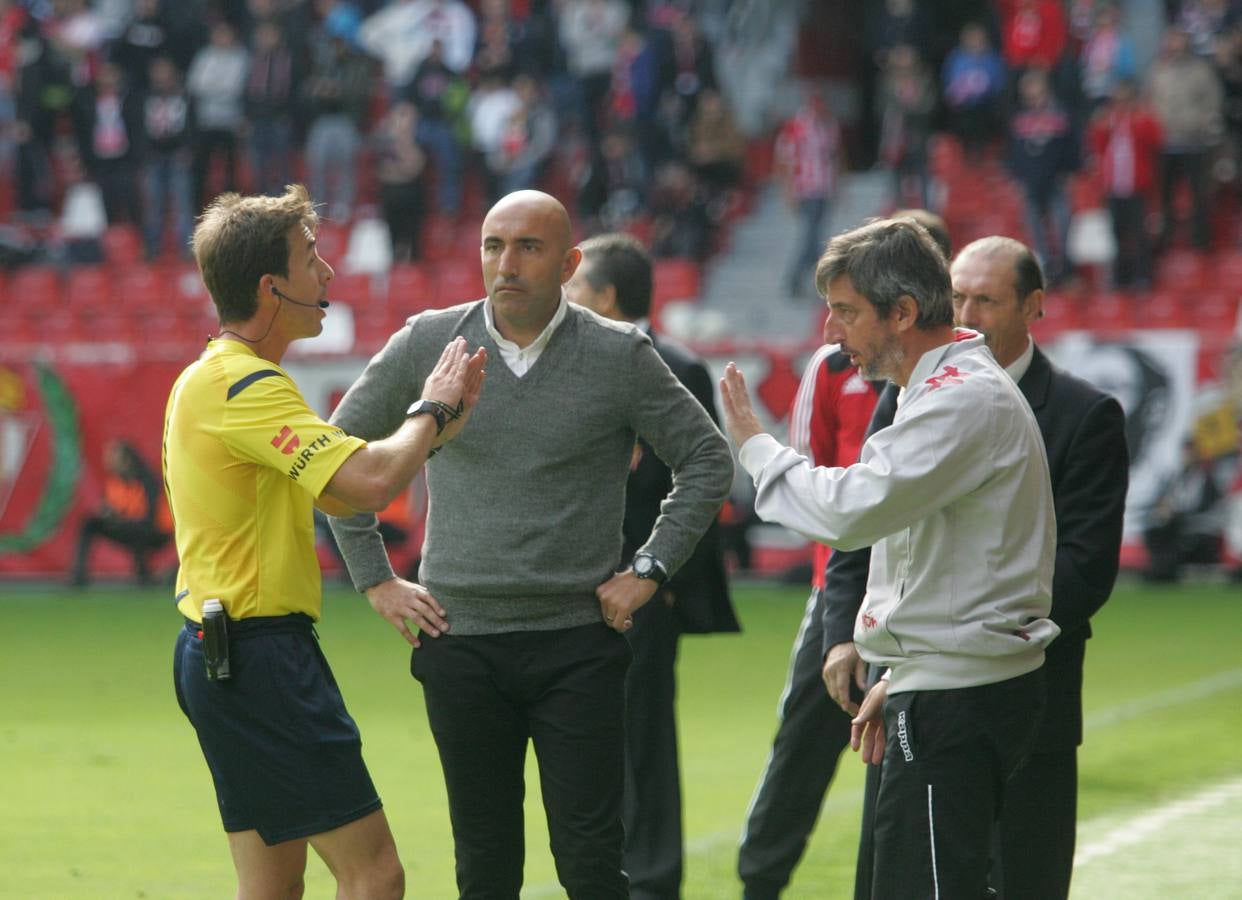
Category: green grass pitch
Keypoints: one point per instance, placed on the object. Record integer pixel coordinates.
(106, 796)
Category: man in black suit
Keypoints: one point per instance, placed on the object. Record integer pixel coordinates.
(615, 280)
(998, 291)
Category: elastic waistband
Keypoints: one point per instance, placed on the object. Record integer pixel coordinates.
(256, 625)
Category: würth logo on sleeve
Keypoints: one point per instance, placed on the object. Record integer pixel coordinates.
(287, 441)
(868, 620)
(300, 462)
(948, 375)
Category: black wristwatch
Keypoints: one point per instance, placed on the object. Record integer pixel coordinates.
(647, 566)
(429, 408)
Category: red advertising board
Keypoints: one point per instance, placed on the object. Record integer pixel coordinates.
(56, 416)
(59, 409)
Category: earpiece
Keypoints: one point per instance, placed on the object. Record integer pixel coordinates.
(322, 304)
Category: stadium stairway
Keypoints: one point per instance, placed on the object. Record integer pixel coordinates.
(744, 297)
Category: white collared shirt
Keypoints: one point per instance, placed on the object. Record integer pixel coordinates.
(1018, 368)
(520, 359)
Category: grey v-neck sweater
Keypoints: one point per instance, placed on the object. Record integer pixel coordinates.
(526, 504)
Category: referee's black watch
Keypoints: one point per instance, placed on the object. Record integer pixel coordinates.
(429, 408)
(647, 566)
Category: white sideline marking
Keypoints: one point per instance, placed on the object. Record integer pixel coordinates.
(1196, 690)
(1139, 828)
(1132, 832)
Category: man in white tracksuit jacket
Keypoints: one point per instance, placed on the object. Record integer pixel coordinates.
(956, 499)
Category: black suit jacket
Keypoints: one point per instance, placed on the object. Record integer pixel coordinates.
(700, 588)
(1084, 436)
(1084, 433)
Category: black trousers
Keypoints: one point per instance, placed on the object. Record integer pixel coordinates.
(1037, 828)
(1193, 166)
(1133, 262)
(871, 793)
(118, 182)
(209, 143)
(1033, 844)
(947, 756)
(403, 206)
(563, 691)
(652, 806)
(810, 736)
(138, 537)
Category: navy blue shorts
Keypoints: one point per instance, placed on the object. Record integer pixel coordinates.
(285, 756)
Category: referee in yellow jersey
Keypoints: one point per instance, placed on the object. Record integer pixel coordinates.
(244, 460)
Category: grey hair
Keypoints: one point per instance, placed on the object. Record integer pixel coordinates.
(886, 260)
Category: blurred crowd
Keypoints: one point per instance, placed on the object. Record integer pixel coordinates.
(141, 110)
(151, 107)
(422, 112)
(1143, 98)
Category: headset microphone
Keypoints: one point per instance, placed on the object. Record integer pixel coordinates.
(322, 304)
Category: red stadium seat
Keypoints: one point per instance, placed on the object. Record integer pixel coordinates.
(1085, 192)
(169, 336)
(458, 281)
(35, 288)
(411, 289)
(370, 333)
(995, 221)
(19, 330)
(1061, 313)
(1110, 312)
(439, 239)
(1228, 271)
(62, 327)
(373, 329)
(353, 289)
(332, 240)
(197, 325)
(945, 155)
(122, 245)
(115, 326)
(640, 228)
(469, 237)
(142, 290)
(1216, 313)
(1183, 270)
(88, 291)
(186, 293)
(675, 279)
(1166, 309)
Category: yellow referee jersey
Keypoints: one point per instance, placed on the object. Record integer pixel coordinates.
(244, 459)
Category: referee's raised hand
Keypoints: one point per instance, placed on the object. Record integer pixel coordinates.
(456, 384)
(455, 374)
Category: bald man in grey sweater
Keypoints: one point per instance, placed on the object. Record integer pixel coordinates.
(520, 612)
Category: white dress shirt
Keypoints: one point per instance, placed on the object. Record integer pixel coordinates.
(520, 359)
